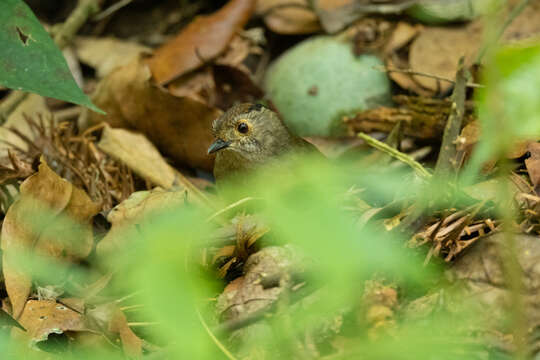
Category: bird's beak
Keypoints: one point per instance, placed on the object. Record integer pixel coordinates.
(218, 145)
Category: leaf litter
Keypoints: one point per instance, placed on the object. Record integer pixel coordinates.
(102, 181)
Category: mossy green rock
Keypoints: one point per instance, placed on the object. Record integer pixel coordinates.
(442, 12)
(320, 80)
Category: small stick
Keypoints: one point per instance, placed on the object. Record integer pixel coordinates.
(513, 14)
(419, 73)
(10, 103)
(231, 206)
(111, 10)
(446, 162)
(420, 170)
(145, 323)
(77, 18)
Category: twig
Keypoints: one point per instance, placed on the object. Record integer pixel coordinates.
(265, 312)
(231, 206)
(419, 73)
(420, 170)
(492, 40)
(84, 9)
(210, 333)
(111, 9)
(67, 114)
(143, 323)
(10, 103)
(446, 162)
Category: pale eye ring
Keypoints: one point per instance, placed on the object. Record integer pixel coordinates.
(242, 127)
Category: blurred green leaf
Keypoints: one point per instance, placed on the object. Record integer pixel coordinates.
(509, 104)
(30, 59)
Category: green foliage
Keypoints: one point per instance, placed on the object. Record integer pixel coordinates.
(30, 59)
(509, 104)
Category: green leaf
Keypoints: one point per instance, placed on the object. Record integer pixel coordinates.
(509, 104)
(30, 59)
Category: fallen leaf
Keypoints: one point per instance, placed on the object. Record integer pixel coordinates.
(402, 34)
(470, 136)
(483, 272)
(106, 54)
(44, 317)
(110, 319)
(33, 106)
(127, 216)
(226, 82)
(234, 85)
(131, 343)
(139, 154)
(336, 15)
(142, 157)
(533, 164)
(18, 170)
(437, 50)
(288, 16)
(7, 320)
(525, 25)
(202, 40)
(179, 127)
(63, 229)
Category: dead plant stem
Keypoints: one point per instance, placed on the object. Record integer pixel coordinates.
(420, 170)
(446, 162)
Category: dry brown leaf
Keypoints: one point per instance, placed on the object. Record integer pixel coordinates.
(288, 16)
(43, 317)
(437, 50)
(139, 154)
(403, 79)
(7, 320)
(146, 161)
(470, 135)
(32, 105)
(525, 25)
(226, 82)
(106, 54)
(179, 127)
(18, 170)
(62, 230)
(127, 216)
(402, 34)
(234, 85)
(131, 343)
(110, 319)
(533, 164)
(202, 40)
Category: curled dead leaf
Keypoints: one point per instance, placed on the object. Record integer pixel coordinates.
(108, 318)
(106, 54)
(533, 164)
(51, 217)
(44, 317)
(288, 17)
(179, 126)
(202, 40)
(127, 216)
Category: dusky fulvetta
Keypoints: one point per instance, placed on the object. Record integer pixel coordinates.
(248, 136)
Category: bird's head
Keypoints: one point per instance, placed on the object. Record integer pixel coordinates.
(252, 130)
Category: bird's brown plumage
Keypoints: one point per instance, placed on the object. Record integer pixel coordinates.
(249, 135)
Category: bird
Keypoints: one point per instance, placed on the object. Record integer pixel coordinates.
(250, 135)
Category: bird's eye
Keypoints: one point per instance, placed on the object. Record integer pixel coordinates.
(242, 128)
